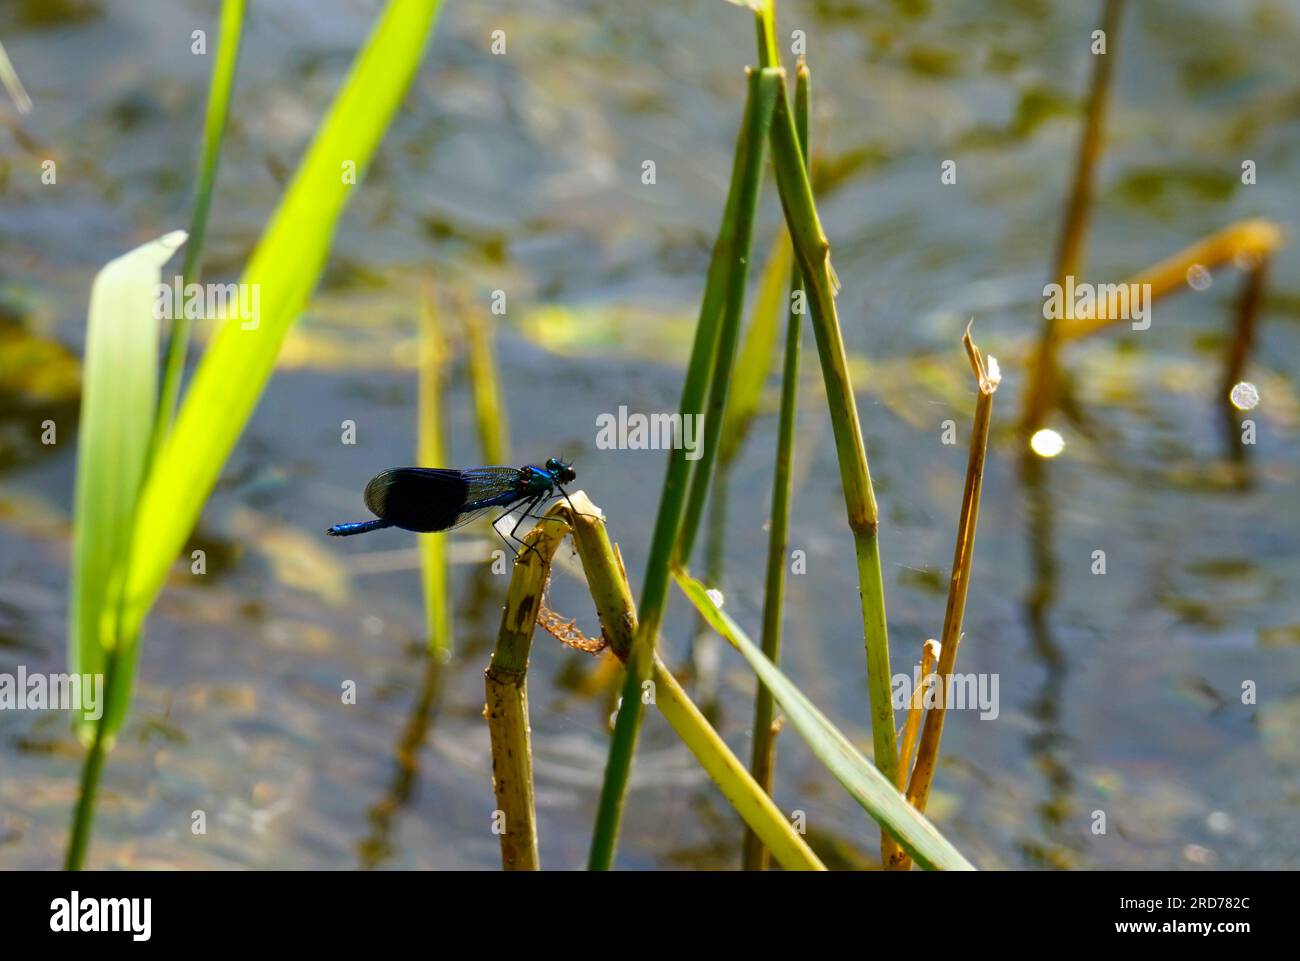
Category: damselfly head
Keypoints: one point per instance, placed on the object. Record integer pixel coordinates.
(562, 472)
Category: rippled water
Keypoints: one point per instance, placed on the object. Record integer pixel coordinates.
(1118, 692)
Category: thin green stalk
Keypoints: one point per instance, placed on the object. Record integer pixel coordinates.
(763, 758)
(748, 377)
(728, 338)
(746, 170)
(83, 815)
(813, 252)
(704, 641)
(431, 452)
(223, 81)
(489, 405)
(765, 21)
(927, 754)
(1041, 393)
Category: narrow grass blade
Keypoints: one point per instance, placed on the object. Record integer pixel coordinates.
(672, 503)
(285, 267)
(431, 451)
(868, 786)
(223, 81)
(485, 380)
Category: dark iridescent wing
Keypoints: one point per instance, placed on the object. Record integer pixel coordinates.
(489, 483)
(418, 498)
(485, 482)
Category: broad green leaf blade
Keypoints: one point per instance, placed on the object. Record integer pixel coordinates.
(284, 269)
(118, 400)
(859, 776)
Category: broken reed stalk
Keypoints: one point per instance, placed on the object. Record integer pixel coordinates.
(741, 199)
(1041, 393)
(813, 252)
(891, 851)
(506, 708)
(607, 581)
(915, 711)
(987, 379)
(762, 762)
(507, 699)
(431, 451)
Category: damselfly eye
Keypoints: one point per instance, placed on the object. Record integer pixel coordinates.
(553, 464)
(566, 474)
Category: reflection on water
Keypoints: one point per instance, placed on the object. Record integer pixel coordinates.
(377, 847)
(1048, 745)
(1120, 692)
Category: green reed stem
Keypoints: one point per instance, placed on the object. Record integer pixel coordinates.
(92, 766)
(746, 170)
(724, 355)
(485, 381)
(763, 758)
(223, 82)
(431, 451)
(813, 252)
